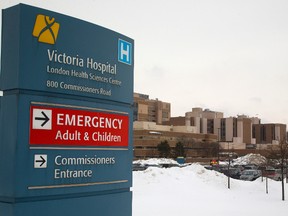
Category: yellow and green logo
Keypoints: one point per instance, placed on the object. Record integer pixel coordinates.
(46, 29)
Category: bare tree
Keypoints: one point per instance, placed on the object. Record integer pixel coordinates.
(278, 156)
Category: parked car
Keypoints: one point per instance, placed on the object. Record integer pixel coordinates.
(169, 165)
(235, 172)
(232, 172)
(208, 167)
(274, 174)
(139, 167)
(250, 175)
(250, 167)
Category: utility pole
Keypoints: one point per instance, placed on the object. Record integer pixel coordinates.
(219, 145)
(229, 173)
(229, 161)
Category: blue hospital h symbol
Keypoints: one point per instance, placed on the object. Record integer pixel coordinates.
(124, 52)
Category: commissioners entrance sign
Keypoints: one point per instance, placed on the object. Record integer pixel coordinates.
(65, 116)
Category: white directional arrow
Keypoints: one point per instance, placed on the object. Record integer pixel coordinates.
(40, 161)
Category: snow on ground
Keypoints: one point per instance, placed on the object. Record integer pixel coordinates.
(156, 161)
(193, 190)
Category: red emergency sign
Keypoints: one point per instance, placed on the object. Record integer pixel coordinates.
(74, 127)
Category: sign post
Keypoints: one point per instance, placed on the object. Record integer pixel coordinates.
(65, 116)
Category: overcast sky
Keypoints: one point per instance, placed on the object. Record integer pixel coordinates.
(229, 56)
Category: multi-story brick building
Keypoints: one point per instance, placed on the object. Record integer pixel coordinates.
(199, 118)
(147, 136)
(241, 132)
(146, 109)
(238, 133)
(269, 133)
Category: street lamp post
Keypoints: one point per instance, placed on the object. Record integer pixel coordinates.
(229, 162)
(218, 145)
(229, 171)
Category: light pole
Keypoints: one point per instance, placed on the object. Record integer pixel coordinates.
(218, 145)
(229, 160)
